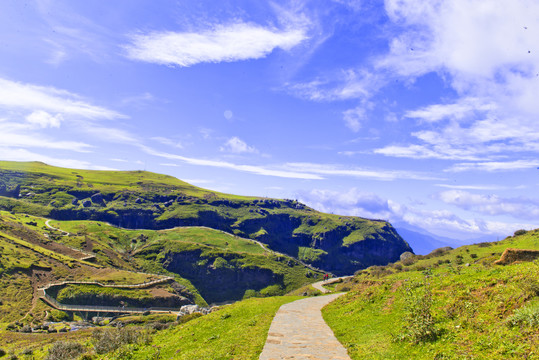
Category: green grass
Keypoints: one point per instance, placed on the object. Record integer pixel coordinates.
(139, 199)
(472, 306)
(150, 249)
(53, 255)
(234, 332)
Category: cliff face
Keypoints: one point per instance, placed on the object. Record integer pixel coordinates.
(140, 200)
(218, 279)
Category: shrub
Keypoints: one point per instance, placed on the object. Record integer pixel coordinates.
(520, 232)
(420, 325)
(65, 350)
(2, 352)
(57, 316)
(110, 339)
(408, 261)
(26, 329)
(528, 315)
(272, 290)
(249, 293)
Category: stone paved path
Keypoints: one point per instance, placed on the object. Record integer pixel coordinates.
(298, 332)
(320, 285)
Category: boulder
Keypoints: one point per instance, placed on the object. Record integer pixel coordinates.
(86, 203)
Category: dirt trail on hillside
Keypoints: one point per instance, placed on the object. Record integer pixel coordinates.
(299, 332)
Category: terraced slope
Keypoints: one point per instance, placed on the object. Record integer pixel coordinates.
(143, 200)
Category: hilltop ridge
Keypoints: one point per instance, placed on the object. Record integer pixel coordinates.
(145, 200)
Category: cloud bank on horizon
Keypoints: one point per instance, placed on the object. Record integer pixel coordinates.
(418, 112)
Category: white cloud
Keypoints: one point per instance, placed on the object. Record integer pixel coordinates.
(345, 85)
(253, 169)
(353, 118)
(354, 202)
(32, 140)
(458, 110)
(167, 141)
(472, 187)
(491, 166)
(19, 96)
(235, 42)
(487, 52)
(237, 146)
(11, 154)
(339, 170)
(43, 119)
(523, 208)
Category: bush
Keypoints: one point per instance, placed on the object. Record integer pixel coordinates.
(249, 293)
(272, 290)
(65, 350)
(420, 325)
(110, 339)
(408, 261)
(520, 232)
(528, 315)
(57, 316)
(2, 352)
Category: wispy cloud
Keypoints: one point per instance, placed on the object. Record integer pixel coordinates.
(355, 202)
(471, 187)
(339, 170)
(354, 117)
(464, 107)
(224, 43)
(15, 95)
(488, 55)
(49, 118)
(167, 141)
(344, 85)
(492, 166)
(237, 146)
(12, 154)
(253, 169)
(352, 202)
(523, 208)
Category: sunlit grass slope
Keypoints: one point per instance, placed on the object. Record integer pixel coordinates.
(479, 310)
(145, 200)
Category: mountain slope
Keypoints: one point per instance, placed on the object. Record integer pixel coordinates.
(143, 200)
(450, 304)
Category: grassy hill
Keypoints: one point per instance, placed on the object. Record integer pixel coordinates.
(144, 200)
(450, 304)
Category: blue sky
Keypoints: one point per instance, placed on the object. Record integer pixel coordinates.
(423, 113)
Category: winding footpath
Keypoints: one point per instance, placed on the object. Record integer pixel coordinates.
(299, 332)
(320, 285)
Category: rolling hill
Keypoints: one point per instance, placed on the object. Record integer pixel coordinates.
(143, 200)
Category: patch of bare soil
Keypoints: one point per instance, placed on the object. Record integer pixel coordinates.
(510, 256)
(160, 292)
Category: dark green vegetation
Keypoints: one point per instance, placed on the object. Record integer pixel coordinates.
(143, 200)
(219, 266)
(450, 304)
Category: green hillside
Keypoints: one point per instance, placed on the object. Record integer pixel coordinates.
(451, 304)
(144, 200)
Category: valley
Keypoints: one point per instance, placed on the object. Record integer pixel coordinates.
(140, 265)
